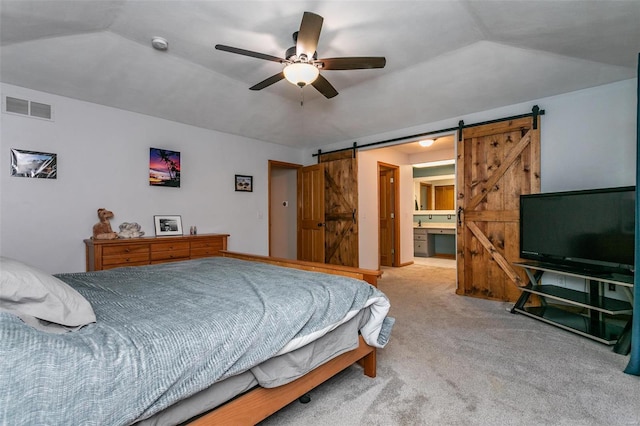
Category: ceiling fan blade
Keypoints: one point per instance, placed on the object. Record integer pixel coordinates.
(268, 82)
(249, 53)
(354, 63)
(324, 87)
(309, 34)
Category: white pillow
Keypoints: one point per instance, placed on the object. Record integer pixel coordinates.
(30, 293)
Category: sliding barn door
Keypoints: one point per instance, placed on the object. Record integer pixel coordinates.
(341, 209)
(496, 163)
(328, 201)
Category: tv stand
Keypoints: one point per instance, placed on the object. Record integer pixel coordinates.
(588, 313)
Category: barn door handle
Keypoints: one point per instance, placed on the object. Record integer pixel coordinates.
(459, 216)
(353, 215)
(320, 224)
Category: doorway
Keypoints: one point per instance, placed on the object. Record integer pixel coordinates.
(283, 218)
(437, 169)
(328, 200)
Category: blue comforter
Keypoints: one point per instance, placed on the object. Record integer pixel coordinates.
(167, 331)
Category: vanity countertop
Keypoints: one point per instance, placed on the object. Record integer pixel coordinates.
(435, 226)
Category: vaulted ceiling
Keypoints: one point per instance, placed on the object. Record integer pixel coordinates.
(444, 59)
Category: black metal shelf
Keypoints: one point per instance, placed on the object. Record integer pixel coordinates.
(588, 313)
(607, 332)
(580, 298)
(605, 277)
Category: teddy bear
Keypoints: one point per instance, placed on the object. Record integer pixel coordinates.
(102, 230)
(130, 230)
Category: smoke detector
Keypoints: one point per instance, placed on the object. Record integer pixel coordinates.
(159, 43)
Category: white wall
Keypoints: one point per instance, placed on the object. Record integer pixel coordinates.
(588, 140)
(103, 161)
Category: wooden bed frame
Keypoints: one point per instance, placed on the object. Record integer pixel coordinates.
(368, 275)
(259, 403)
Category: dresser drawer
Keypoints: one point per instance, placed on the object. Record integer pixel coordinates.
(206, 248)
(131, 259)
(182, 254)
(170, 246)
(170, 250)
(129, 249)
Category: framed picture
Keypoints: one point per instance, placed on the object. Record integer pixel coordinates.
(164, 168)
(244, 183)
(168, 225)
(34, 164)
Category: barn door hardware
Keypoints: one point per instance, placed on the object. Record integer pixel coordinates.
(460, 127)
(536, 111)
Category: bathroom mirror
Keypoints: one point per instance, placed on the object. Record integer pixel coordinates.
(434, 194)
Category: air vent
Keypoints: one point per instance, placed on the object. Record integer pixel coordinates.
(17, 106)
(28, 108)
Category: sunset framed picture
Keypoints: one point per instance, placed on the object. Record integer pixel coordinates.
(164, 168)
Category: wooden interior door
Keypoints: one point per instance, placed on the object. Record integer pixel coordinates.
(496, 163)
(311, 221)
(341, 210)
(445, 197)
(386, 215)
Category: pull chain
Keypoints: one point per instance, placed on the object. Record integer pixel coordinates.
(301, 96)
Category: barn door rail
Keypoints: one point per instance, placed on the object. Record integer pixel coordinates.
(535, 112)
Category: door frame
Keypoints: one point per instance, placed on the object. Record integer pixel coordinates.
(395, 187)
(280, 165)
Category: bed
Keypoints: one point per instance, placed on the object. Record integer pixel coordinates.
(210, 341)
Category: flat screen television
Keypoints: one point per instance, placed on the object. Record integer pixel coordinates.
(590, 230)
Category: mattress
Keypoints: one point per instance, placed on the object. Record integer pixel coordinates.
(274, 372)
(166, 332)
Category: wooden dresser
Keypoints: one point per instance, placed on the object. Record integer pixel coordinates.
(107, 254)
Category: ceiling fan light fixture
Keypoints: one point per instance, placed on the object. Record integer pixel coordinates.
(426, 142)
(301, 73)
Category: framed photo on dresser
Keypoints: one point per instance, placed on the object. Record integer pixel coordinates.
(168, 225)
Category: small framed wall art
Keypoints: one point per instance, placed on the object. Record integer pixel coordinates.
(168, 225)
(34, 164)
(244, 183)
(164, 168)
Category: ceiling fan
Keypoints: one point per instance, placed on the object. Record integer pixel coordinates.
(302, 65)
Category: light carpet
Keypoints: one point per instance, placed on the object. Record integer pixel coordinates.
(455, 360)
